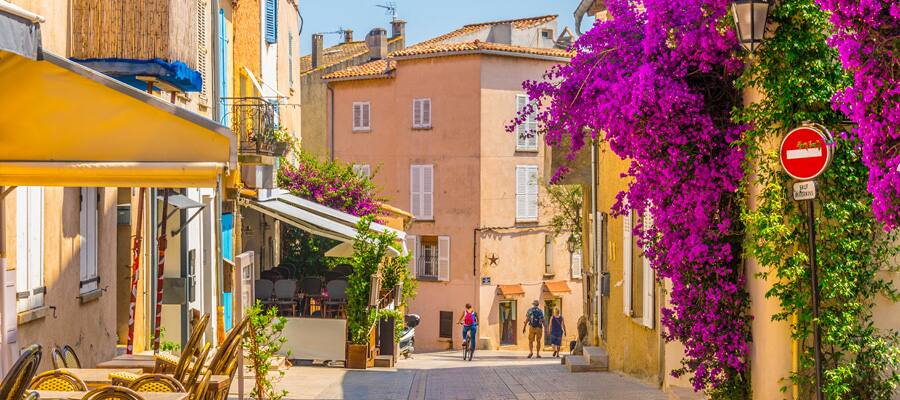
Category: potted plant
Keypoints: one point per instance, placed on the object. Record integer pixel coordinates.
(262, 343)
(283, 141)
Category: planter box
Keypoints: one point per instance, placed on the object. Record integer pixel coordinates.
(280, 149)
(357, 356)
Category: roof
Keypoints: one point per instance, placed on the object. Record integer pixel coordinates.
(337, 54)
(510, 290)
(557, 287)
(439, 46)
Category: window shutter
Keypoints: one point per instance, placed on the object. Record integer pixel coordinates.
(271, 21)
(202, 48)
(443, 258)
(366, 122)
(357, 116)
(417, 113)
(426, 113)
(428, 191)
(415, 190)
(626, 262)
(576, 264)
(649, 282)
(291, 59)
(521, 129)
(89, 239)
(413, 253)
(521, 192)
(23, 291)
(29, 247)
(532, 192)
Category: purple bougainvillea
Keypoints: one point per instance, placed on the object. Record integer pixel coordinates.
(656, 83)
(868, 40)
(330, 183)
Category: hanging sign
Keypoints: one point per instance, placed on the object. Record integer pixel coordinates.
(805, 190)
(806, 152)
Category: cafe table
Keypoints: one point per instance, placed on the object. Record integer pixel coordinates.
(145, 362)
(51, 395)
(96, 377)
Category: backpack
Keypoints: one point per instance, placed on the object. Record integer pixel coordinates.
(470, 318)
(535, 317)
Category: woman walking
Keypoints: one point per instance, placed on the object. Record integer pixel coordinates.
(557, 331)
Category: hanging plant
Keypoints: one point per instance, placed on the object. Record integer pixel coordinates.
(655, 82)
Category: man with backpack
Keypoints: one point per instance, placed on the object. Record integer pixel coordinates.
(534, 322)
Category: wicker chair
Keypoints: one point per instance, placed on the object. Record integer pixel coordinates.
(58, 380)
(70, 357)
(31, 396)
(56, 356)
(190, 379)
(19, 376)
(112, 393)
(157, 383)
(179, 365)
(199, 390)
(229, 348)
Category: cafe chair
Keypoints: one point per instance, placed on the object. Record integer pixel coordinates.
(198, 391)
(229, 348)
(337, 298)
(190, 379)
(19, 376)
(58, 380)
(179, 365)
(56, 356)
(160, 383)
(70, 357)
(286, 295)
(31, 396)
(112, 393)
(263, 290)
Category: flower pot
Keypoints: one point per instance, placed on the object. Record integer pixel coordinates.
(280, 149)
(357, 356)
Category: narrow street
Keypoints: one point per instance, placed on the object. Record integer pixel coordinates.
(495, 375)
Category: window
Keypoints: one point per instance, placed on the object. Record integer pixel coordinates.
(575, 261)
(422, 191)
(363, 170)
(361, 116)
(526, 193)
(526, 132)
(446, 327)
(89, 280)
(547, 34)
(639, 284)
(271, 21)
(508, 322)
(421, 113)
(29, 247)
(430, 257)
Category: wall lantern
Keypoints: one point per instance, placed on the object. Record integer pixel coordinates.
(750, 21)
(572, 244)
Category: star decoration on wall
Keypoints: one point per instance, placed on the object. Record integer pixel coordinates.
(493, 259)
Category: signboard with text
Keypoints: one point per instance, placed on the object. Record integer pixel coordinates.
(806, 152)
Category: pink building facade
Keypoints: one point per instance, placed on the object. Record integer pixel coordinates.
(429, 123)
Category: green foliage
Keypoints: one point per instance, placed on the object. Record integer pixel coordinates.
(566, 203)
(399, 324)
(396, 270)
(170, 347)
(305, 253)
(799, 73)
(261, 343)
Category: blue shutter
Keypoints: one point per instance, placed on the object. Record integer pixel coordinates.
(223, 70)
(271, 21)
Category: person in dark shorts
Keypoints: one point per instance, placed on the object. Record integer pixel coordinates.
(534, 323)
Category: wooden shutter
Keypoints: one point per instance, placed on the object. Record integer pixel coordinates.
(202, 48)
(271, 21)
(413, 253)
(415, 190)
(521, 129)
(548, 254)
(426, 113)
(366, 121)
(443, 258)
(417, 113)
(649, 284)
(446, 324)
(357, 116)
(626, 262)
(89, 240)
(29, 247)
(532, 192)
(428, 192)
(576, 264)
(521, 193)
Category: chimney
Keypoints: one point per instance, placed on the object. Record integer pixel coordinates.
(317, 49)
(398, 29)
(348, 35)
(376, 41)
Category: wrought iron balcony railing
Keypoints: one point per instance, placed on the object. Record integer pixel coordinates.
(253, 120)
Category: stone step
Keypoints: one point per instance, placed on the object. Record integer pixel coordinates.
(577, 364)
(597, 358)
(384, 361)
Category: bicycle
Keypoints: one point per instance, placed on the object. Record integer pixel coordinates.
(469, 344)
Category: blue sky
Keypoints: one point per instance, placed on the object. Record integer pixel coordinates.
(425, 18)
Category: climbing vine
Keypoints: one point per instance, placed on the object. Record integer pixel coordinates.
(655, 82)
(799, 73)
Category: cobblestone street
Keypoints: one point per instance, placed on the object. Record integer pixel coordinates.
(494, 375)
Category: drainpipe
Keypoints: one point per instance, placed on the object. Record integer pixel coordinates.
(596, 262)
(6, 347)
(220, 280)
(331, 121)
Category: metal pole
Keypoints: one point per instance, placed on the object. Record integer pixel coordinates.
(135, 263)
(817, 331)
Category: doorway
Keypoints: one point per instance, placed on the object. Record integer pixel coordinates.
(549, 306)
(508, 322)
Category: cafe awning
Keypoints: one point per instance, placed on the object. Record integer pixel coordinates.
(557, 287)
(508, 291)
(64, 124)
(20, 30)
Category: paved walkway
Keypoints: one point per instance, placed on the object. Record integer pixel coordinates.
(493, 375)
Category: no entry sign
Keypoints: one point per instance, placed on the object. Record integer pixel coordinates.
(806, 152)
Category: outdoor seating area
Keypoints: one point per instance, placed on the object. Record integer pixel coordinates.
(310, 296)
(194, 375)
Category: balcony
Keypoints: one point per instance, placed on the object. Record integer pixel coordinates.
(253, 121)
(427, 267)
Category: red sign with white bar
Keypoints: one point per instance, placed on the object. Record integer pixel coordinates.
(806, 152)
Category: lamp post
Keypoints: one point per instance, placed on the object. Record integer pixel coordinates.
(572, 243)
(750, 21)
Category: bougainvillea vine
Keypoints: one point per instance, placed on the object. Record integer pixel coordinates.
(329, 183)
(867, 36)
(655, 82)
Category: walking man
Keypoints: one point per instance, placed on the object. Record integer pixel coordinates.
(534, 322)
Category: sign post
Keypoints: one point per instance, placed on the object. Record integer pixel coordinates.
(805, 154)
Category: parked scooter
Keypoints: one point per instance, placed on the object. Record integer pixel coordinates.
(407, 337)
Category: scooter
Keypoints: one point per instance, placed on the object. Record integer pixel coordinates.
(407, 336)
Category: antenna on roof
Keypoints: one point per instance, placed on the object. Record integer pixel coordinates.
(340, 31)
(390, 8)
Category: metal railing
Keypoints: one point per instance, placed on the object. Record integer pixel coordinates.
(253, 121)
(427, 267)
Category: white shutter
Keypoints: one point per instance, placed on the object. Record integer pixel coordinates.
(428, 192)
(443, 258)
(649, 284)
(426, 113)
(521, 192)
(89, 240)
(29, 247)
(366, 121)
(22, 227)
(521, 129)
(362, 170)
(415, 190)
(417, 113)
(357, 116)
(548, 254)
(413, 253)
(576, 264)
(626, 262)
(533, 193)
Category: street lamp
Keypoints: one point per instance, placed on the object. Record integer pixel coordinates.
(571, 244)
(750, 21)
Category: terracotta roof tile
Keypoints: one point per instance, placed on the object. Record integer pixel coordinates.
(370, 69)
(521, 23)
(337, 54)
(479, 45)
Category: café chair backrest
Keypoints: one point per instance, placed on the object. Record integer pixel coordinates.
(19, 376)
(198, 391)
(311, 285)
(58, 380)
(157, 383)
(191, 348)
(229, 347)
(56, 356)
(263, 289)
(190, 379)
(32, 396)
(71, 358)
(285, 289)
(337, 290)
(112, 393)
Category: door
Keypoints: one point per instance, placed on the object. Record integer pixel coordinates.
(549, 306)
(508, 322)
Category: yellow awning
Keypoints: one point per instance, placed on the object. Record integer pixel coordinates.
(63, 124)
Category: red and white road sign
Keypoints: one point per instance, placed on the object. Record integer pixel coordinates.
(806, 152)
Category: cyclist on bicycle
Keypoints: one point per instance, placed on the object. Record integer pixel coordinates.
(469, 321)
